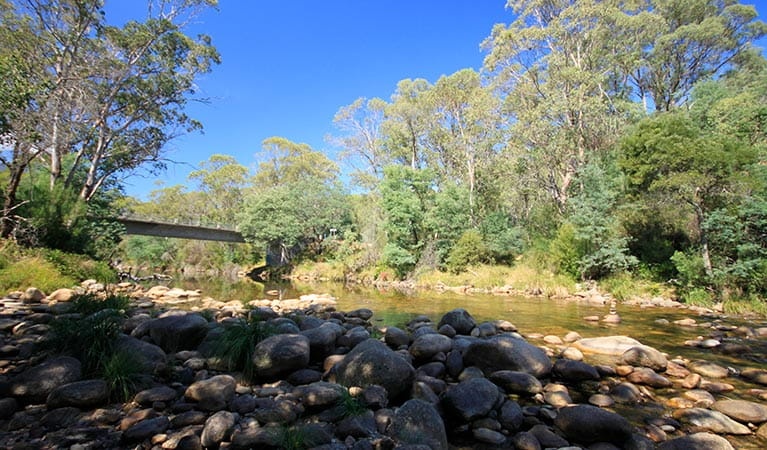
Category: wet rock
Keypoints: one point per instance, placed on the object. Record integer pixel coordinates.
(648, 377)
(178, 331)
(601, 400)
(471, 399)
(697, 441)
(574, 371)
(587, 424)
(503, 352)
(606, 345)
(644, 356)
(460, 319)
(758, 376)
(80, 394)
(713, 421)
(280, 354)
(742, 410)
(418, 423)
(625, 393)
(700, 398)
(514, 382)
(37, 382)
(212, 394)
(708, 369)
(217, 429)
(372, 362)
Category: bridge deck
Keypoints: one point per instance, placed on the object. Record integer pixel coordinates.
(163, 229)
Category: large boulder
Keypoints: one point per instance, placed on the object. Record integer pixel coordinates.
(280, 355)
(417, 422)
(218, 428)
(471, 399)
(586, 424)
(80, 394)
(426, 346)
(504, 352)
(644, 356)
(372, 362)
(178, 332)
(460, 320)
(742, 410)
(322, 339)
(697, 441)
(606, 345)
(37, 382)
(212, 394)
(149, 357)
(713, 421)
(520, 383)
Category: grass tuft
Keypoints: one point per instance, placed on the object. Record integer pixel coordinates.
(122, 372)
(87, 304)
(236, 344)
(350, 405)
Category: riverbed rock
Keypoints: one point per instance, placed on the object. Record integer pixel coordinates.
(212, 394)
(514, 382)
(606, 345)
(80, 394)
(322, 339)
(742, 410)
(396, 337)
(709, 420)
(460, 319)
(586, 424)
(280, 355)
(708, 369)
(218, 428)
(758, 376)
(503, 352)
(697, 441)
(149, 357)
(417, 422)
(35, 383)
(648, 377)
(471, 399)
(427, 346)
(146, 429)
(574, 371)
(644, 356)
(178, 331)
(372, 362)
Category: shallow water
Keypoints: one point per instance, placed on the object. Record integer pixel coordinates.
(536, 316)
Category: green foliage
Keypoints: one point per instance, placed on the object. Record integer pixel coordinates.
(564, 251)
(293, 438)
(122, 372)
(236, 344)
(90, 339)
(88, 304)
(468, 251)
(448, 218)
(503, 240)
(350, 405)
(399, 259)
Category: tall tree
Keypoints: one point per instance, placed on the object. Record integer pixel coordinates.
(406, 122)
(286, 162)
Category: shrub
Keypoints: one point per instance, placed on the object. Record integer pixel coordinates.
(122, 372)
(468, 251)
(87, 304)
(235, 345)
(90, 339)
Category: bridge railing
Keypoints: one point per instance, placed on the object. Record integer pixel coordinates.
(189, 223)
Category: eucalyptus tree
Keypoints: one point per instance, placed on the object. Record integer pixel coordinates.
(284, 161)
(552, 68)
(406, 124)
(222, 182)
(361, 139)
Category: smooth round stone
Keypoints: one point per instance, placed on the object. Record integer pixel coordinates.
(648, 377)
(552, 340)
(708, 369)
(710, 343)
(758, 376)
(701, 398)
(716, 387)
(488, 436)
(572, 336)
(742, 410)
(557, 399)
(572, 354)
(601, 400)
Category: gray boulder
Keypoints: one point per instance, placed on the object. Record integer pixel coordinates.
(178, 332)
(586, 424)
(319, 394)
(575, 371)
(697, 441)
(212, 394)
(35, 383)
(644, 356)
(372, 362)
(503, 352)
(396, 337)
(471, 399)
(280, 355)
(417, 422)
(742, 410)
(511, 416)
(426, 346)
(514, 382)
(80, 394)
(322, 339)
(460, 319)
(146, 429)
(149, 357)
(218, 428)
(708, 420)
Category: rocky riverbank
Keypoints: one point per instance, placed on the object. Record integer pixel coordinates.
(330, 379)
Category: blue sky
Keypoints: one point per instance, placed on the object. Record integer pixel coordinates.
(288, 66)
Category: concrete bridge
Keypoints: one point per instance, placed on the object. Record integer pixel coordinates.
(152, 227)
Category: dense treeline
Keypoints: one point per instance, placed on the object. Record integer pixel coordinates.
(610, 137)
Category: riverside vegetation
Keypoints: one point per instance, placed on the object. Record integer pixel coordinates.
(120, 366)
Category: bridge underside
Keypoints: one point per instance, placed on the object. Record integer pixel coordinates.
(180, 231)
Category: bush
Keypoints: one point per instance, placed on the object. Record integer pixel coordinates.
(122, 372)
(90, 339)
(236, 344)
(88, 304)
(469, 250)
(33, 271)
